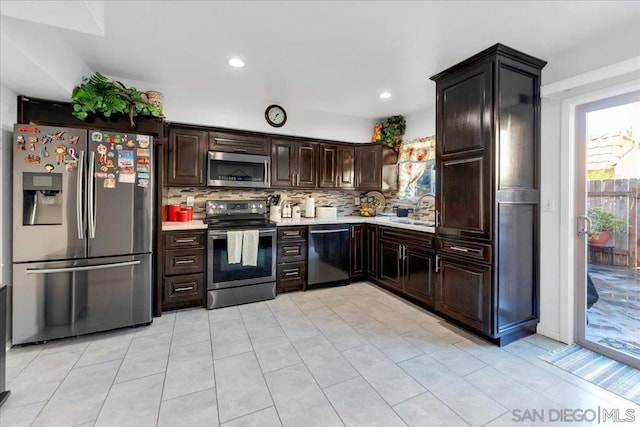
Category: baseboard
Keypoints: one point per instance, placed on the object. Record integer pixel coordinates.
(549, 334)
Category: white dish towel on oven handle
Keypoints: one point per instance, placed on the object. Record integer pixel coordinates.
(250, 242)
(234, 246)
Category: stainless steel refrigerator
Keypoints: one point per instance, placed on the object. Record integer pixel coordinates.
(82, 231)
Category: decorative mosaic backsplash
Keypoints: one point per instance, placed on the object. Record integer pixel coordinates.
(343, 200)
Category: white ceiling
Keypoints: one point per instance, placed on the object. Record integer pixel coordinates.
(330, 56)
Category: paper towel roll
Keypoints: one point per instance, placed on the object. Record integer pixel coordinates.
(309, 207)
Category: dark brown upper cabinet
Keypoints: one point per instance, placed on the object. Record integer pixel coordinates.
(488, 197)
(368, 167)
(239, 143)
(336, 166)
(293, 164)
(186, 157)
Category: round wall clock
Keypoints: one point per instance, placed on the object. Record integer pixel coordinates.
(275, 115)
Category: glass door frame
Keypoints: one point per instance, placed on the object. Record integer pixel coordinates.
(581, 240)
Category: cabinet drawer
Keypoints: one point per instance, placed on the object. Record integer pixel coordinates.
(292, 251)
(415, 238)
(184, 261)
(465, 249)
(179, 289)
(292, 233)
(238, 143)
(188, 239)
(291, 273)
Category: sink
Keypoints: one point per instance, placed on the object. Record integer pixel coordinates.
(424, 224)
(402, 220)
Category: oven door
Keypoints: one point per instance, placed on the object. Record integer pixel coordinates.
(238, 170)
(221, 274)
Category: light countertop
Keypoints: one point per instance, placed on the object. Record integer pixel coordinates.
(391, 221)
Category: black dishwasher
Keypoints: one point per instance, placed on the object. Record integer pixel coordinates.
(328, 257)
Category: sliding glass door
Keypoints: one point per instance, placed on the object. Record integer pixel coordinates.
(607, 198)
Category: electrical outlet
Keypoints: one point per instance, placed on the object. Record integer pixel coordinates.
(356, 201)
(191, 200)
(549, 205)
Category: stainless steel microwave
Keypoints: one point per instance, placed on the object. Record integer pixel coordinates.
(238, 170)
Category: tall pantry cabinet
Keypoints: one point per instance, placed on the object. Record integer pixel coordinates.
(488, 192)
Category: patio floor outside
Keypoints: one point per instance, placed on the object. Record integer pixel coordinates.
(614, 320)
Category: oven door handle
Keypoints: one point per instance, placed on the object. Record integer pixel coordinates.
(223, 234)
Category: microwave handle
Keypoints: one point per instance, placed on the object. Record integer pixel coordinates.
(267, 174)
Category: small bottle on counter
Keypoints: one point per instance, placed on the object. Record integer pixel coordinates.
(295, 214)
(286, 210)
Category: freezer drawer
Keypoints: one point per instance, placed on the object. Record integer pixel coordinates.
(68, 298)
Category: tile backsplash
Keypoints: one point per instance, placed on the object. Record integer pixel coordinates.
(343, 200)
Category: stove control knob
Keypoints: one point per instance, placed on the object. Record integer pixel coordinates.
(260, 206)
(252, 206)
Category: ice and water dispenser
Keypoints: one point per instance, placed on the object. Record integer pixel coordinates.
(42, 198)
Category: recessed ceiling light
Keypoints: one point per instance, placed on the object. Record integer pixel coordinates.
(236, 62)
(385, 95)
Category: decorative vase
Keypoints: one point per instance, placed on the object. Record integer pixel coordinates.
(155, 98)
(602, 238)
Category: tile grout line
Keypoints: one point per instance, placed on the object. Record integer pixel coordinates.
(166, 367)
(253, 350)
(213, 365)
(62, 380)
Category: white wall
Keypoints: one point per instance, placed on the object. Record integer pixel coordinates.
(8, 112)
(421, 123)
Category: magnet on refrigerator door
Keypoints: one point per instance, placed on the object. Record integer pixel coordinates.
(49, 167)
(20, 143)
(109, 183)
(144, 183)
(61, 153)
(29, 129)
(143, 152)
(130, 144)
(143, 140)
(32, 159)
(74, 140)
(102, 154)
(96, 136)
(32, 143)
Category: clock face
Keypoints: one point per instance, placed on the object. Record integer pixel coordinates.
(275, 115)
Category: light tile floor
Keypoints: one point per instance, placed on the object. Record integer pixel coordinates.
(353, 355)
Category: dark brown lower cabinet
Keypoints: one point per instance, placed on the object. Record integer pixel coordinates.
(184, 268)
(407, 263)
(464, 292)
(390, 258)
(371, 251)
(291, 268)
(420, 275)
(358, 254)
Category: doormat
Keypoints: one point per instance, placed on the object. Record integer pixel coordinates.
(609, 374)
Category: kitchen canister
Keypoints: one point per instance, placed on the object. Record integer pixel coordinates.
(275, 213)
(295, 214)
(309, 207)
(174, 210)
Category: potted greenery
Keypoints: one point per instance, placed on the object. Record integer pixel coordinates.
(604, 223)
(98, 94)
(390, 131)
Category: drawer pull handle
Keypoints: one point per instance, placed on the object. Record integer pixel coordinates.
(292, 273)
(291, 233)
(461, 249)
(291, 250)
(192, 240)
(189, 261)
(184, 288)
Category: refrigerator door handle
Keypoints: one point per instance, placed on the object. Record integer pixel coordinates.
(84, 268)
(91, 201)
(79, 219)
